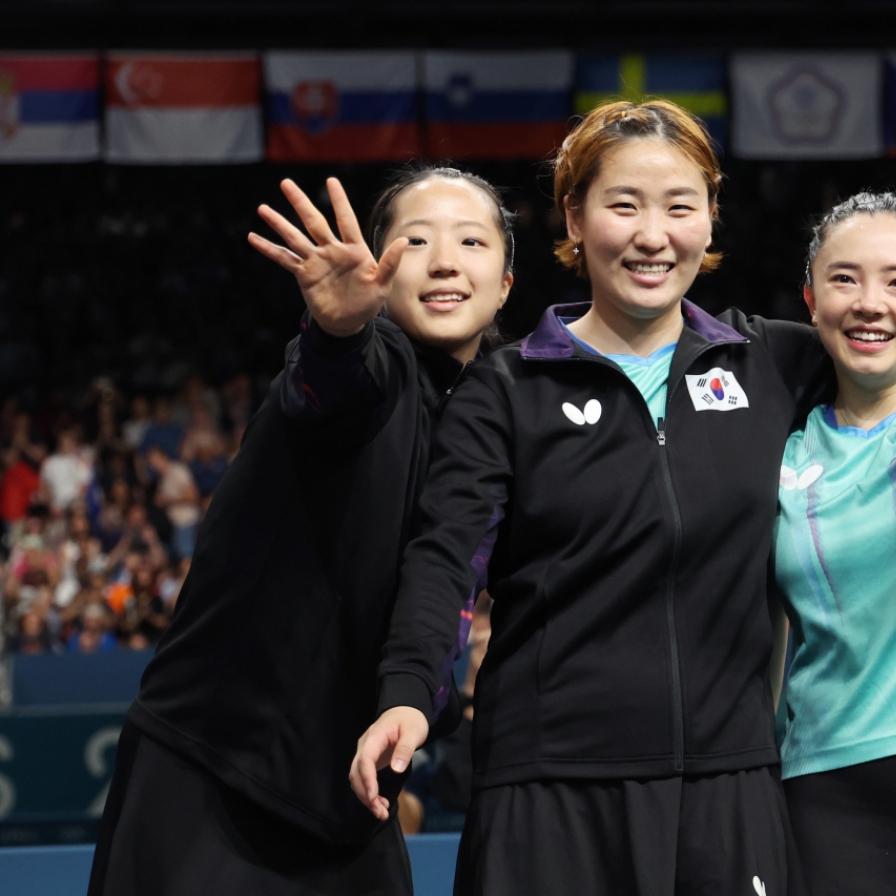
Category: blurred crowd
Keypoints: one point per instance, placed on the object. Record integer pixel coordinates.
(100, 501)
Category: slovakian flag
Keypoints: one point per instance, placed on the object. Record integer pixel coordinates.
(341, 106)
(49, 107)
(496, 105)
(179, 108)
(694, 81)
(807, 105)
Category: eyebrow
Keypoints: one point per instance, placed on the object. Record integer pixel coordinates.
(852, 266)
(675, 191)
(426, 222)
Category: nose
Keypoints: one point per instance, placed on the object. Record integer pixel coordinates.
(443, 260)
(870, 303)
(651, 236)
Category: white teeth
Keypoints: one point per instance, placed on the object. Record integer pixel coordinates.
(650, 268)
(863, 336)
(445, 297)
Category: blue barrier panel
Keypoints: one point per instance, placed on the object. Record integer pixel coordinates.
(54, 774)
(51, 680)
(64, 870)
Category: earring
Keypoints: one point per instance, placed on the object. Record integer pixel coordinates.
(575, 249)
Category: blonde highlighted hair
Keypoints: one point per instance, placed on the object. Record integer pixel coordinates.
(609, 125)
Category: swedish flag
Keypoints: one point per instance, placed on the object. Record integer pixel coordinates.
(696, 82)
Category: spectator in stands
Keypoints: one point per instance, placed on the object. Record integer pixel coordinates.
(205, 452)
(94, 635)
(33, 635)
(176, 493)
(163, 432)
(66, 473)
(77, 552)
(20, 463)
(134, 429)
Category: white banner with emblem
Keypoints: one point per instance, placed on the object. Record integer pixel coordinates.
(807, 105)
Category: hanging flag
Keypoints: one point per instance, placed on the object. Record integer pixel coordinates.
(341, 106)
(179, 108)
(806, 105)
(49, 107)
(890, 103)
(496, 105)
(696, 82)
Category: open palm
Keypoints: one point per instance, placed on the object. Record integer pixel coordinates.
(343, 284)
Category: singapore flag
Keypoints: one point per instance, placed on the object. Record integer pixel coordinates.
(716, 390)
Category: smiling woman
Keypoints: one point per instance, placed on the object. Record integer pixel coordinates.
(613, 477)
(835, 546)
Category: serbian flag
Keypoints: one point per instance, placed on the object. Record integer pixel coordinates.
(49, 107)
(341, 106)
(179, 108)
(807, 105)
(496, 105)
(694, 81)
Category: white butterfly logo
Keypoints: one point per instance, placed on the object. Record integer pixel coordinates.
(759, 887)
(590, 414)
(791, 480)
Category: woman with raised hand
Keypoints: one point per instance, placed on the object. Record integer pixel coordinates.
(231, 773)
(835, 562)
(616, 475)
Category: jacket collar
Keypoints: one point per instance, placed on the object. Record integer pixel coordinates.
(551, 341)
(444, 370)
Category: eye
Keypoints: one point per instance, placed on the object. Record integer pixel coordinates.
(681, 208)
(416, 241)
(472, 241)
(624, 206)
(842, 278)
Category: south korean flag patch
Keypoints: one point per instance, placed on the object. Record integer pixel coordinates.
(716, 390)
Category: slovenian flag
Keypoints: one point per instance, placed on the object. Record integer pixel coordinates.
(496, 105)
(49, 107)
(696, 82)
(341, 106)
(179, 108)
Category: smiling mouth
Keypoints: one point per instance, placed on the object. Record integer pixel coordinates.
(642, 267)
(869, 336)
(444, 297)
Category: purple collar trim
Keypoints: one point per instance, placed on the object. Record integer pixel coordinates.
(550, 339)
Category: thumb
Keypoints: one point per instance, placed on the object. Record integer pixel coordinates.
(389, 261)
(403, 753)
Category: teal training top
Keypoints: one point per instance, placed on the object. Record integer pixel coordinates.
(835, 563)
(650, 375)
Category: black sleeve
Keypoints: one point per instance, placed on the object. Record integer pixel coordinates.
(796, 351)
(446, 567)
(343, 389)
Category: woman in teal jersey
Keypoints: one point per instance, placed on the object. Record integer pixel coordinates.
(835, 558)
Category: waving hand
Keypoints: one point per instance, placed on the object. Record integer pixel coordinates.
(343, 284)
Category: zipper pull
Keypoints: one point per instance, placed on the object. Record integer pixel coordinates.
(661, 430)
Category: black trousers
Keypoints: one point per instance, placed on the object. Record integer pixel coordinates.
(170, 828)
(844, 822)
(720, 835)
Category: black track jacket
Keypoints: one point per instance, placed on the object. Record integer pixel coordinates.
(628, 561)
(267, 676)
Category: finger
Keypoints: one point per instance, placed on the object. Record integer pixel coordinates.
(389, 261)
(349, 229)
(281, 255)
(370, 786)
(314, 221)
(380, 808)
(287, 231)
(402, 753)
